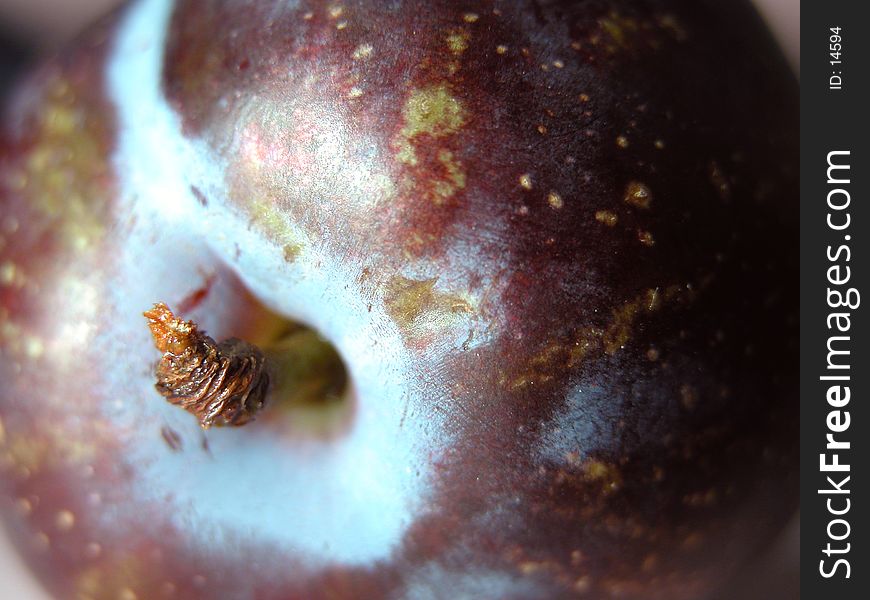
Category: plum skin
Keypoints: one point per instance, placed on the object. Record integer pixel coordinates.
(561, 217)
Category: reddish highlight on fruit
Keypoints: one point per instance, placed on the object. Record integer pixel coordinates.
(220, 384)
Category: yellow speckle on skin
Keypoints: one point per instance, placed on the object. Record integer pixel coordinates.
(624, 32)
(596, 469)
(501, 49)
(542, 129)
(308, 16)
(559, 357)
(114, 578)
(659, 144)
(654, 299)
(584, 97)
(33, 347)
(67, 169)
(60, 445)
(619, 28)
(341, 25)
(719, 180)
(619, 331)
(28, 452)
(622, 141)
(354, 92)
(555, 200)
(582, 584)
(8, 272)
(608, 475)
(432, 111)
(455, 180)
(24, 507)
(470, 17)
(89, 582)
(671, 24)
(646, 238)
(457, 41)
(608, 218)
(127, 594)
(275, 224)
(336, 11)
(558, 64)
(64, 520)
(363, 51)
(526, 181)
(638, 195)
(414, 303)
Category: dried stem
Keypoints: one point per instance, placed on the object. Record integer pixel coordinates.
(221, 384)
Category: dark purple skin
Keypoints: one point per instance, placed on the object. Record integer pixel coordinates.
(651, 261)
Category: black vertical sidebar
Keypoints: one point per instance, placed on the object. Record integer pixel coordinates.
(835, 300)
